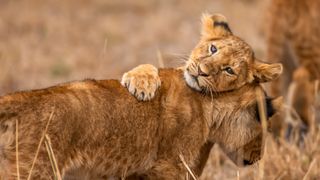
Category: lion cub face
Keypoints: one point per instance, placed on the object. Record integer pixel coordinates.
(223, 62)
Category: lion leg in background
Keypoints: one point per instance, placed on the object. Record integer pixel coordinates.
(297, 29)
(279, 87)
(278, 50)
(303, 100)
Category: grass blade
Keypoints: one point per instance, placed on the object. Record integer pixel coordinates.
(39, 145)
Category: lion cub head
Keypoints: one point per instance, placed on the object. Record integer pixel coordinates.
(223, 62)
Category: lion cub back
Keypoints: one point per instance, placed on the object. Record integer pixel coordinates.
(90, 119)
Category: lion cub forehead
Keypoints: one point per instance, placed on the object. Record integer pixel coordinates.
(232, 42)
(234, 47)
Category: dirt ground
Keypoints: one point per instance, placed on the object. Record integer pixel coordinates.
(45, 42)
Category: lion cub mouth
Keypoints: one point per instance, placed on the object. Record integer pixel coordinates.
(192, 81)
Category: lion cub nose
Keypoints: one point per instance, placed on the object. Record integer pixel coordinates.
(201, 72)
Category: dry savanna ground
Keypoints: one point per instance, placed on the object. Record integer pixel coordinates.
(44, 42)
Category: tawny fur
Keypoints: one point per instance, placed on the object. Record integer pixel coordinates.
(294, 39)
(100, 128)
(143, 80)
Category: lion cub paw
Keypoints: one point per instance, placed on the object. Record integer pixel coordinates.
(142, 81)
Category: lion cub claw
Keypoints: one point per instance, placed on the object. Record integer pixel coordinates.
(142, 81)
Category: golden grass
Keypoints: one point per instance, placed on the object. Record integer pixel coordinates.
(262, 113)
(53, 161)
(312, 164)
(17, 149)
(190, 172)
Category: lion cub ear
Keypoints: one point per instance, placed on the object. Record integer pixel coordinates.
(263, 72)
(214, 26)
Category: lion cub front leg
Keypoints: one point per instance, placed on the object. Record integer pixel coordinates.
(142, 81)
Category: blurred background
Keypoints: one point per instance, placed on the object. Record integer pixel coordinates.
(45, 42)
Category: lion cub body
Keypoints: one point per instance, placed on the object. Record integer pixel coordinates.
(99, 126)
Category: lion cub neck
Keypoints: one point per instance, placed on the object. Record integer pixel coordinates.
(209, 109)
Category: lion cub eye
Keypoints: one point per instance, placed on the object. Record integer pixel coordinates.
(229, 70)
(212, 49)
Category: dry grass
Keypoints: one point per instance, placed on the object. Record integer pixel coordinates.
(190, 172)
(43, 42)
(53, 161)
(17, 150)
(262, 113)
(282, 160)
(40, 144)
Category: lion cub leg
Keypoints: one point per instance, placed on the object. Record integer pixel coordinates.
(164, 170)
(304, 95)
(27, 148)
(142, 81)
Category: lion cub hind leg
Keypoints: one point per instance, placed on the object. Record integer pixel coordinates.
(7, 143)
(164, 170)
(142, 81)
(27, 148)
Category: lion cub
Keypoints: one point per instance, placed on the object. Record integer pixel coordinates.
(143, 81)
(99, 127)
